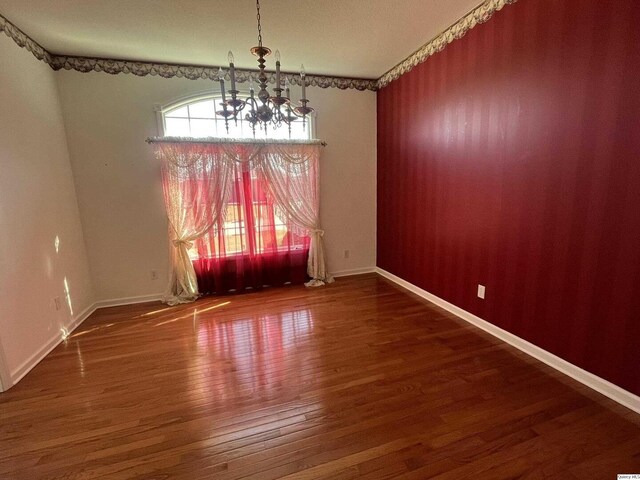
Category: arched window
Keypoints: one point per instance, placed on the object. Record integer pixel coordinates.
(255, 244)
(196, 117)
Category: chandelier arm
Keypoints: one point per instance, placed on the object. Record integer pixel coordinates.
(277, 115)
(252, 102)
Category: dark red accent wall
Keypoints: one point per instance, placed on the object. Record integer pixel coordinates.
(512, 159)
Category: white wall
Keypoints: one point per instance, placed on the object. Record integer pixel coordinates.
(118, 183)
(37, 204)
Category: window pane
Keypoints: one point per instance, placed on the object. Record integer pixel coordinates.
(235, 129)
(281, 132)
(259, 132)
(201, 120)
(202, 109)
(234, 229)
(178, 112)
(297, 131)
(203, 128)
(177, 127)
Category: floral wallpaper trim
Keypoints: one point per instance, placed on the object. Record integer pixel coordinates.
(478, 15)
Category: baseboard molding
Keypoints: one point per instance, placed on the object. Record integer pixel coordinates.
(592, 381)
(355, 271)
(606, 388)
(117, 302)
(5, 376)
(26, 366)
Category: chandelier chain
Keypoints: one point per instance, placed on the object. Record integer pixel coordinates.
(259, 26)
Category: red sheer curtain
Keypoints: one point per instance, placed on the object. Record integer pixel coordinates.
(253, 246)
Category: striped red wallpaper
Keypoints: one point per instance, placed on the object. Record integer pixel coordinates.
(512, 159)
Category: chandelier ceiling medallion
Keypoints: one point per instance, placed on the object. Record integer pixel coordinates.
(263, 109)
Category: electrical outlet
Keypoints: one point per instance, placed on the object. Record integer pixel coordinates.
(346, 254)
(56, 303)
(481, 290)
(154, 274)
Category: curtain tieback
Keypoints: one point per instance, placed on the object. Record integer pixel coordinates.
(179, 242)
(318, 231)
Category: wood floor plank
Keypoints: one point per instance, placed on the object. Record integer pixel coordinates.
(355, 380)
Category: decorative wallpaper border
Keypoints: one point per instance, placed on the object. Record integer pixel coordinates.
(165, 70)
(191, 72)
(23, 40)
(480, 14)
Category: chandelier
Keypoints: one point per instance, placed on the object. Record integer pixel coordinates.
(263, 109)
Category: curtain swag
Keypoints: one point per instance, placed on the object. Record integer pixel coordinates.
(290, 171)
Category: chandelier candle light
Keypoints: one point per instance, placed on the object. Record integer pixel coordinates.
(266, 109)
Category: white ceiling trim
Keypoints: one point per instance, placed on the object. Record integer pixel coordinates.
(457, 30)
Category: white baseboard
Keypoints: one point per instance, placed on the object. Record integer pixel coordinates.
(116, 302)
(598, 384)
(355, 271)
(25, 367)
(5, 376)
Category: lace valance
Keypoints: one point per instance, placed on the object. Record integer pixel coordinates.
(184, 152)
(248, 141)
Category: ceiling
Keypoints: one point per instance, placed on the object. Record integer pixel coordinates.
(352, 38)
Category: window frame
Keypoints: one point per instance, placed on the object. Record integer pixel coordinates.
(162, 109)
(249, 248)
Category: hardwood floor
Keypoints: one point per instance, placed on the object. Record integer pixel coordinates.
(358, 379)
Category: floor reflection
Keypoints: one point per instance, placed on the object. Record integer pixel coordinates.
(154, 312)
(193, 314)
(91, 330)
(252, 356)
